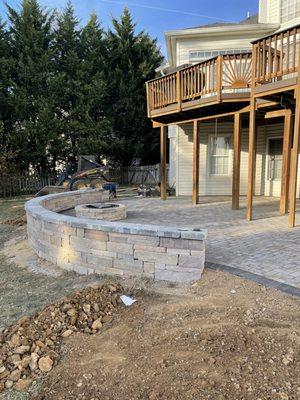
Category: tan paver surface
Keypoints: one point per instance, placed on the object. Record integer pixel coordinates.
(265, 246)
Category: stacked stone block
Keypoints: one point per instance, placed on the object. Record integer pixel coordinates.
(118, 248)
(115, 213)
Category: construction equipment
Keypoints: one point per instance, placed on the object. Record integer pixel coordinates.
(90, 174)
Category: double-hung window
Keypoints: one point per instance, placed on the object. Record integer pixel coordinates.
(290, 10)
(220, 155)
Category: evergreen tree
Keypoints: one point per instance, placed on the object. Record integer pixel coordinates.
(131, 62)
(96, 135)
(67, 82)
(6, 111)
(30, 42)
(66, 91)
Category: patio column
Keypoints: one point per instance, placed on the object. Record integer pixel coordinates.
(195, 196)
(286, 153)
(251, 159)
(294, 159)
(236, 161)
(163, 161)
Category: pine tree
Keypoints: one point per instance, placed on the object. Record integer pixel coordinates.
(96, 135)
(67, 82)
(6, 111)
(131, 62)
(30, 42)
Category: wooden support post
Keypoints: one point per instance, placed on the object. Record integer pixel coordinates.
(287, 144)
(236, 161)
(163, 161)
(219, 78)
(294, 160)
(148, 99)
(195, 196)
(251, 159)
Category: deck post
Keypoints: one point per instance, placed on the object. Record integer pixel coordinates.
(195, 196)
(163, 161)
(149, 107)
(286, 153)
(294, 159)
(236, 161)
(251, 159)
(219, 77)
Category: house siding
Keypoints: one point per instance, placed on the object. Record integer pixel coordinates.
(274, 11)
(270, 13)
(173, 151)
(184, 46)
(263, 11)
(220, 185)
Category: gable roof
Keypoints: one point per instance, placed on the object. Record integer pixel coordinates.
(248, 21)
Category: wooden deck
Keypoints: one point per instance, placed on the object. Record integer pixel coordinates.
(220, 79)
(232, 85)
(271, 69)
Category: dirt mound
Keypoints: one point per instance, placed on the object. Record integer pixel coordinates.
(224, 339)
(31, 347)
(17, 221)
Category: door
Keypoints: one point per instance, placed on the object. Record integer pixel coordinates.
(274, 166)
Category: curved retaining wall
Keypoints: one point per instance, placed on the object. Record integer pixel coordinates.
(118, 248)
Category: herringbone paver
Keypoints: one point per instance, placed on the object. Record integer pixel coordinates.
(264, 246)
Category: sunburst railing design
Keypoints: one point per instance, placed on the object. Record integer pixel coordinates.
(237, 70)
(208, 78)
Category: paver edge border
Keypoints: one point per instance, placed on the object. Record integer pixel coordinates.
(260, 279)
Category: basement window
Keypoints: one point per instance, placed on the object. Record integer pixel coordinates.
(219, 155)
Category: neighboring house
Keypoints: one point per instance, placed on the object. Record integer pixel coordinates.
(193, 45)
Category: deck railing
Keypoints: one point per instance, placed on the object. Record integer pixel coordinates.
(208, 78)
(277, 56)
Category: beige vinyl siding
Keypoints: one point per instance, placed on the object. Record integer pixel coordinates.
(184, 46)
(276, 130)
(208, 185)
(222, 185)
(263, 11)
(172, 135)
(270, 13)
(185, 160)
(274, 11)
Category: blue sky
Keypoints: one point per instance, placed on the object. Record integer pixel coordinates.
(155, 16)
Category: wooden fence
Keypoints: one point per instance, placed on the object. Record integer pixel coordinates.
(19, 185)
(142, 175)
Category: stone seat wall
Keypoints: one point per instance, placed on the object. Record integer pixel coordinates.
(117, 248)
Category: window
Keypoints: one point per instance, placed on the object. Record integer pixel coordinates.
(219, 147)
(275, 158)
(200, 55)
(290, 9)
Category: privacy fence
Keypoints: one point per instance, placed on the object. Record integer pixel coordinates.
(19, 185)
(141, 175)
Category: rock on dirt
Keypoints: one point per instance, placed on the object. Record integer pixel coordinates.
(31, 347)
(17, 221)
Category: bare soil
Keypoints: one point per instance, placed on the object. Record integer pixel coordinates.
(222, 338)
(204, 342)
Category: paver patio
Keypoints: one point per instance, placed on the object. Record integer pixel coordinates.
(266, 246)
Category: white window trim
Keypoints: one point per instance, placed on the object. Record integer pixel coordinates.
(230, 51)
(230, 156)
(268, 178)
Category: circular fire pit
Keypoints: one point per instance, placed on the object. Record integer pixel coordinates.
(107, 211)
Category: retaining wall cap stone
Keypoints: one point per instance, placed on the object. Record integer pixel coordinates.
(36, 208)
